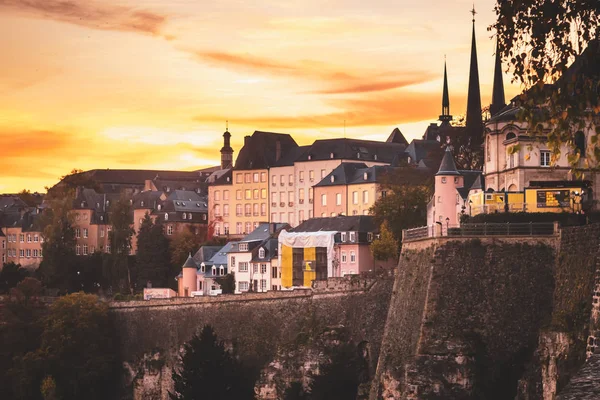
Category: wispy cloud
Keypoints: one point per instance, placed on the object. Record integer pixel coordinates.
(344, 81)
(92, 14)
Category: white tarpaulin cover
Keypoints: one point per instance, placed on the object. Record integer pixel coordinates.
(302, 240)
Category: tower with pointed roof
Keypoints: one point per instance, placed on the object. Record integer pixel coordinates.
(445, 117)
(189, 277)
(474, 121)
(498, 100)
(226, 150)
(447, 180)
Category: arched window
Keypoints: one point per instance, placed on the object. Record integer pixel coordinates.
(202, 267)
(261, 253)
(184, 216)
(214, 270)
(166, 216)
(221, 270)
(580, 143)
(510, 135)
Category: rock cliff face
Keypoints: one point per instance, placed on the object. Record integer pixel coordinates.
(489, 318)
(281, 334)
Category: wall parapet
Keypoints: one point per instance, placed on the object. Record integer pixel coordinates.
(474, 230)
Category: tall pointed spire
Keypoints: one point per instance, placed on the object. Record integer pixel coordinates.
(445, 117)
(498, 100)
(226, 150)
(474, 121)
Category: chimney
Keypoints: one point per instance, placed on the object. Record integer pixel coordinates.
(272, 228)
(246, 140)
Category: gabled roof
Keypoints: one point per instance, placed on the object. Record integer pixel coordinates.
(472, 179)
(190, 263)
(220, 257)
(89, 199)
(205, 253)
(356, 223)
(270, 246)
(342, 174)
(352, 149)
(147, 200)
(263, 231)
(263, 150)
(397, 137)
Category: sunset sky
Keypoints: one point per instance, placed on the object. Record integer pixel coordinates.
(149, 84)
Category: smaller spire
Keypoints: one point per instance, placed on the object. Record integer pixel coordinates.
(445, 117)
(190, 263)
(498, 100)
(226, 125)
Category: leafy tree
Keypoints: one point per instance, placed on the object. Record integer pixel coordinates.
(540, 39)
(227, 283)
(69, 182)
(209, 371)
(59, 266)
(405, 204)
(184, 243)
(117, 269)
(295, 392)
(29, 198)
(385, 246)
(10, 275)
(78, 348)
(91, 276)
(152, 254)
(339, 377)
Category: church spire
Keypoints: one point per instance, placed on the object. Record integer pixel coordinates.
(474, 121)
(445, 117)
(498, 100)
(226, 150)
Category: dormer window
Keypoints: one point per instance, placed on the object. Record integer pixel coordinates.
(189, 215)
(365, 176)
(409, 160)
(332, 178)
(243, 247)
(142, 203)
(357, 155)
(82, 204)
(166, 216)
(184, 216)
(202, 267)
(107, 203)
(197, 204)
(309, 157)
(214, 270)
(159, 207)
(97, 205)
(352, 236)
(203, 217)
(343, 237)
(221, 270)
(331, 155)
(261, 253)
(375, 157)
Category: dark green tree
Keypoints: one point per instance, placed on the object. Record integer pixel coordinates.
(385, 246)
(339, 376)
(117, 270)
(78, 348)
(404, 205)
(10, 275)
(182, 244)
(295, 392)
(227, 283)
(153, 257)
(59, 266)
(541, 40)
(208, 371)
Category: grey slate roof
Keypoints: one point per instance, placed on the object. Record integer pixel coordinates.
(448, 167)
(260, 150)
(270, 245)
(147, 200)
(355, 223)
(353, 149)
(189, 263)
(397, 137)
(220, 257)
(205, 253)
(291, 156)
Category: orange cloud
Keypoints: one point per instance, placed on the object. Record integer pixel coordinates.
(90, 14)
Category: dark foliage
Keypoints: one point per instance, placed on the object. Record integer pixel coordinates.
(210, 372)
(227, 283)
(152, 255)
(10, 275)
(117, 270)
(295, 392)
(338, 378)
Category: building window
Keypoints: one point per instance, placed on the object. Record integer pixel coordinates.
(225, 194)
(443, 179)
(238, 194)
(456, 179)
(263, 209)
(238, 210)
(101, 231)
(226, 228)
(248, 194)
(255, 268)
(243, 267)
(291, 179)
(256, 194)
(323, 199)
(225, 211)
(217, 195)
(77, 249)
(248, 178)
(311, 176)
(301, 176)
(166, 216)
(263, 193)
(248, 209)
(243, 286)
(85, 249)
(108, 248)
(365, 197)
(238, 228)
(28, 253)
(274, 272)
(28, 238)
(217, 210)
(40, 252)
(544, 158)
(353, 236)
(255, 176)
(343, 237)
(354, 197)
(344, 257)
(85, 232)
(323, 173)
(243, 247)
(261, 253)
(77, 233)
(338, 199)
(263, 176)
(248, 227)
(439, 199)
(21, 238)
(217, 230)
(255, 209)
(301, 216)
(169, 230)
(263, 285)
(352, 256)
(238, 178)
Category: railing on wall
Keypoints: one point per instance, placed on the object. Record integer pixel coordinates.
(482, 229)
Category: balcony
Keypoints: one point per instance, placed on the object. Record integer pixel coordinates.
(256, 214)
(310, 201)
(291, 184)
(301, 180)
(238, 214)
(274, 184)
(282, 204)
(291, 204)
(273, 204)
(248, 214)
(282, 183)
(301, 201)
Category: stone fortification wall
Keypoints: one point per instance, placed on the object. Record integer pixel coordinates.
(465, 318)
(281, 333)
